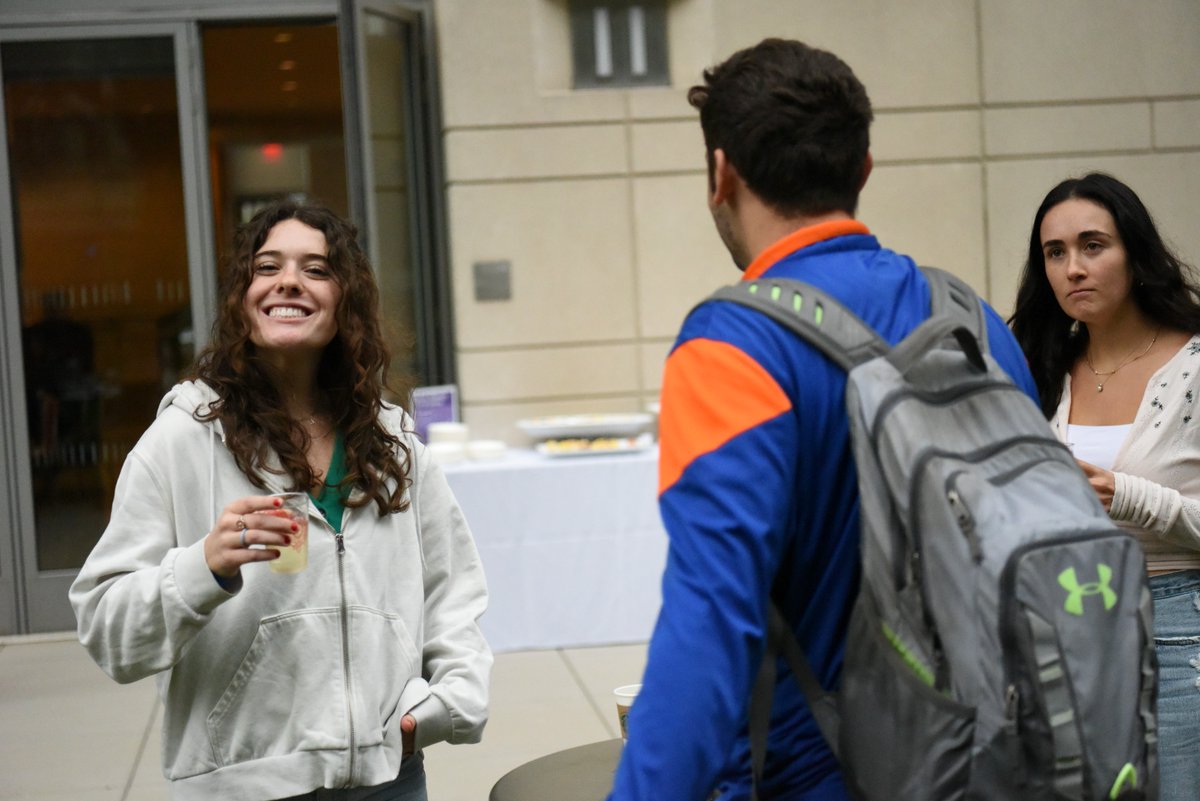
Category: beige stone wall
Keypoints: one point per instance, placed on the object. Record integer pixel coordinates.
(597, 197)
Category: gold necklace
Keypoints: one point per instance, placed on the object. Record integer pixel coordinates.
(1128, 360)
(311, 421)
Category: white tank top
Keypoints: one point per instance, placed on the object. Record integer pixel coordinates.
(1097, 445)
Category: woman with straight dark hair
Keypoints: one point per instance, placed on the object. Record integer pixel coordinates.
(1109, 318)
(318, 681)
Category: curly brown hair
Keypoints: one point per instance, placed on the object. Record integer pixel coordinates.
(351, 374)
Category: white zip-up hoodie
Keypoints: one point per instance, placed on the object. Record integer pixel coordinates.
(293, 682)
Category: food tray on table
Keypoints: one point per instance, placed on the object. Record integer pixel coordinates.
(585, 426)
(594, 446)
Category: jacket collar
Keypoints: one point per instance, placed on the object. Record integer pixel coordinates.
(798, 239)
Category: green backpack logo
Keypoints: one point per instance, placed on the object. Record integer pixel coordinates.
(1076, 591)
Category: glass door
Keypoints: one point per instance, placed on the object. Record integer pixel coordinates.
(273, 98)
(102, 247)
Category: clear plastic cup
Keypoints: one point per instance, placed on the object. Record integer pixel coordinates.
(293, 558)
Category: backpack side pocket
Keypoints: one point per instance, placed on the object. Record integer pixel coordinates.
(887, 700)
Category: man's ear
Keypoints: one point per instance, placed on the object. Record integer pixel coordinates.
(725, 179)
(868, 163)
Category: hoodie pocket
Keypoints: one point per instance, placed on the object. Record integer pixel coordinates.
(288, 694)
(290, 691)
(383, 659)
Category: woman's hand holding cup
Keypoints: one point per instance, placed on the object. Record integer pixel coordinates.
(243, 523)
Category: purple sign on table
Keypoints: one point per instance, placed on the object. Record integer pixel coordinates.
(436, 404)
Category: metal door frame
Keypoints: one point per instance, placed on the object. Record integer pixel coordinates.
(434, 307)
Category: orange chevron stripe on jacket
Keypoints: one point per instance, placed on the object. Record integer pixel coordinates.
(702, 413)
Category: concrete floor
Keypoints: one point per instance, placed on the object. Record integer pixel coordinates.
(69, 732)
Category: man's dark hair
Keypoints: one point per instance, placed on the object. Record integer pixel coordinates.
(1164, 287)
(794, 122)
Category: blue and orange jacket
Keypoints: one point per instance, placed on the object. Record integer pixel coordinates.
(757, 480)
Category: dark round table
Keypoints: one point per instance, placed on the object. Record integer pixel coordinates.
(576, 774)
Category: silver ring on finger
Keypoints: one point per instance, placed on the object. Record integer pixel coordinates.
(244, 543)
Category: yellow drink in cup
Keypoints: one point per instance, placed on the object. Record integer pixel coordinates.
(293, 558)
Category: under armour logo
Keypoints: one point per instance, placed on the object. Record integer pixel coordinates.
(1127, 776)
(1076, 591)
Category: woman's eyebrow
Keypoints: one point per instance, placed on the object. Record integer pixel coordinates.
(276, 254)
(1081, 235)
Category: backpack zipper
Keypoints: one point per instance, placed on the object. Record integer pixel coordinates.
(965, 520)
(1012, 703)
(1012, 717)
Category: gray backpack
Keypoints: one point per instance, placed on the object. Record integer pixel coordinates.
(1001, 644)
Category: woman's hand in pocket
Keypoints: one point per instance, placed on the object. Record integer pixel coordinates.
(408, 735)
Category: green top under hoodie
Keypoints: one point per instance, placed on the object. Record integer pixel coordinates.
(330, 502)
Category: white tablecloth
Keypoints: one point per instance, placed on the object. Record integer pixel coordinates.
(573, 547)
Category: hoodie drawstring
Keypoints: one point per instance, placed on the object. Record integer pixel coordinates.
(212, 474)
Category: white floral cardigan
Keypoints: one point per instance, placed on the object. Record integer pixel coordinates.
(1157, 468)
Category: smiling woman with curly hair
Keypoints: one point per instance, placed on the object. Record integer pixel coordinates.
(349, 377)
(282, 683)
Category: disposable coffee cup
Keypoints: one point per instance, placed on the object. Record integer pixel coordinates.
(484, 450)
(446, 432)
(625, 696)
(292, 558)
(444, 453)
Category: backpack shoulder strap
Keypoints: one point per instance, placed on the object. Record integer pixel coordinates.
(782, 642)
(952, 296)
(816, 316)
(839, 333)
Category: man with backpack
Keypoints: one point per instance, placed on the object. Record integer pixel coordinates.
(758, 483)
